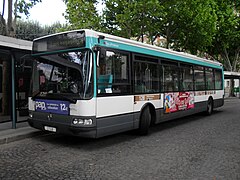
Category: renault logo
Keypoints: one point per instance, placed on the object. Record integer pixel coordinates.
(49, 117)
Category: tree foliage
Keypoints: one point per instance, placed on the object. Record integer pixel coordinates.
(30, 30)
(82, 14)
(16, 8)
(226, 45)
(133, 18)
(182, 22)
(23, 7)
(189, 25)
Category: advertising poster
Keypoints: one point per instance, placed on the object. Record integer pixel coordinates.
(178, 101)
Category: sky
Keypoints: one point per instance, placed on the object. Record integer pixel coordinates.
(46, 13)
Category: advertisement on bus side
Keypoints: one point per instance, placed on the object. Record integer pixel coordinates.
(178, 101)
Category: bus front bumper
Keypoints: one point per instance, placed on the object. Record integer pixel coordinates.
(62, 125)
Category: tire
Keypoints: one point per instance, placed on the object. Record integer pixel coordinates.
(209, 106)
(145, 121)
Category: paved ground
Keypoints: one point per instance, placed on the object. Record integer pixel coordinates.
(196, 147)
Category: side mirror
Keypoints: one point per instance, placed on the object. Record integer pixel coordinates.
(97, 51)
(97, 57)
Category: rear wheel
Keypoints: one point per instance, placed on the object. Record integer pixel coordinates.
(145, 121)
(209, 106)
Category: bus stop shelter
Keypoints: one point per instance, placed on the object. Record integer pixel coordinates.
(14, 79)
(233, 76)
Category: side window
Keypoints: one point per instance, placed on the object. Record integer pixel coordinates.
(209, 78)
(170, 78)
(218, 79)
(199, 78)
(186, 78)
(113, 73)
(146, 78)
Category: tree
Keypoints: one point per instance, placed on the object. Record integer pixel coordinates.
(182, 23)
(226, 45)
(189, 25)
(15, 8)
(134, 18)
(30, 30)
(126, 18)
(9, 29)
(82, 14)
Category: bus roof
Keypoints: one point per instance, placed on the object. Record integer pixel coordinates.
(112, 38)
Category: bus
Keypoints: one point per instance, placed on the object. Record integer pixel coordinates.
(91, 84)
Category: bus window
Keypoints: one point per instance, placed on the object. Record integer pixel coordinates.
(146, 78)
(113, 74)
(199, 78)
(186, 78)
(209, 78)
(170, 78)
(218, 79)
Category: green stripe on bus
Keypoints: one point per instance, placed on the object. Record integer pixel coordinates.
(130, 48)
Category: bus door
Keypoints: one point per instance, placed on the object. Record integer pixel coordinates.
(114, 102)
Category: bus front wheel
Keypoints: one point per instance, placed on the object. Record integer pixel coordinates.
(145, 120)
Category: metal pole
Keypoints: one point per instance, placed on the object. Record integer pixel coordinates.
(14, 118)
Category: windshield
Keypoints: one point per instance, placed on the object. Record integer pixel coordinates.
(68, 74)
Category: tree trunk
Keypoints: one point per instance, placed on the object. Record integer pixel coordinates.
(2, 21)
(2, 26)
(10, 29)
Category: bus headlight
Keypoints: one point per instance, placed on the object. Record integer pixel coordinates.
(30, 115)
(77, 121)
(88, 122)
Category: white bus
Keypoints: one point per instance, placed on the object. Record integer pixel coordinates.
(91, 84)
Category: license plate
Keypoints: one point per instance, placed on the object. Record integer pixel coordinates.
(52, 129)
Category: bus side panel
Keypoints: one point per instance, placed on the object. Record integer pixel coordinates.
(114, 114)
(198, 107)
(218, 98)
(114, 124)
(218, 103)
(217, 95)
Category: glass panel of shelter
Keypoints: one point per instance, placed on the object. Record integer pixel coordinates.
(5, 87)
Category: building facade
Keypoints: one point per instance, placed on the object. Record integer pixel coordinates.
(235, 78)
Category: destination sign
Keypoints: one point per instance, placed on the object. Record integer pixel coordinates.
(61, 41)
(52, 106)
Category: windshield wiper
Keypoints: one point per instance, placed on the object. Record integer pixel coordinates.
(67, 98)
(54, 96)
(35, 94)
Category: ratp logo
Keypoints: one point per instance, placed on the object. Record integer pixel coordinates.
(41, 105)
